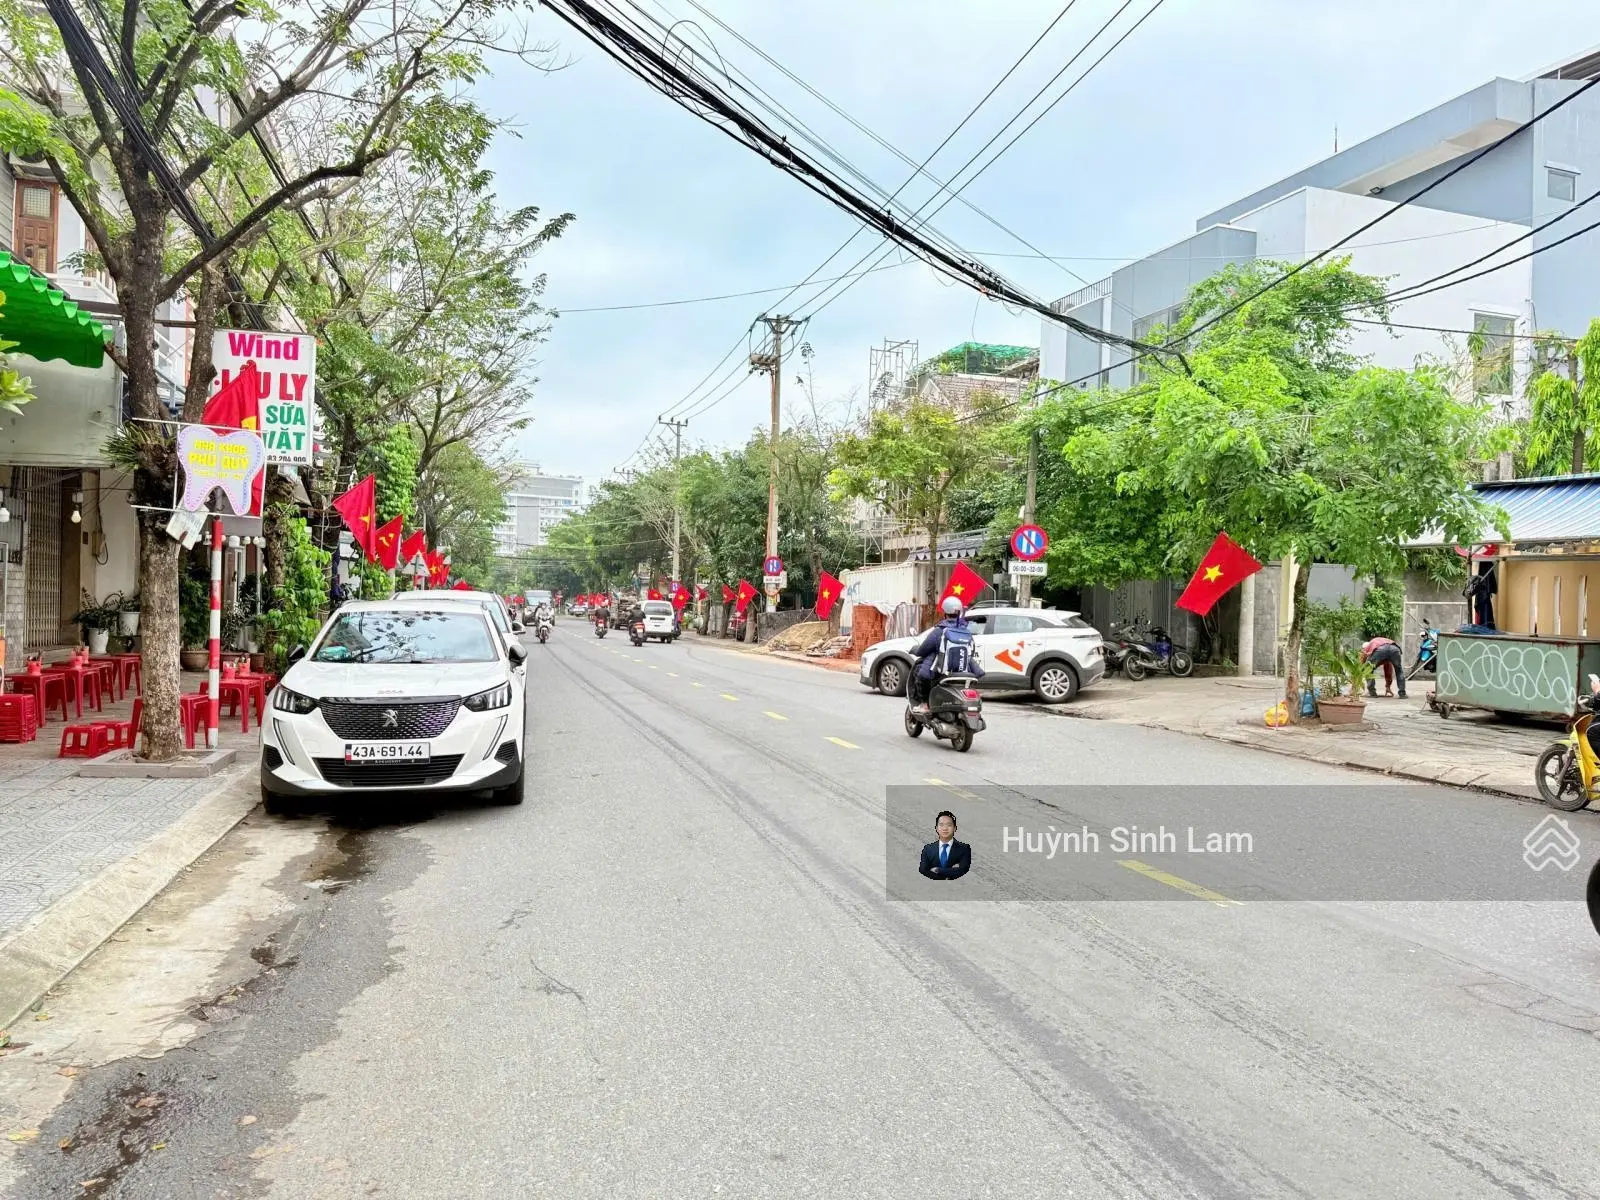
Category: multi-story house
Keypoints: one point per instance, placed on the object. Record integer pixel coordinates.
(1526, 194)
(536, 503)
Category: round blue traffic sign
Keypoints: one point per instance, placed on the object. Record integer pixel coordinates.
(1029, 542)
(773, 566)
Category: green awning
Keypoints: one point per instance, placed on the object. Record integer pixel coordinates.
(43, 321)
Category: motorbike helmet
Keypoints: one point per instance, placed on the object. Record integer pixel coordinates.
(951, 606)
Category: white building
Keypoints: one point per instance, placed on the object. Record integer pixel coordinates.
(534, 504)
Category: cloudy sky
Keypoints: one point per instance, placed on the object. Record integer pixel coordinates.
(1207, 101)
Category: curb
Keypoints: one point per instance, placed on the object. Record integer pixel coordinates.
(43, 953)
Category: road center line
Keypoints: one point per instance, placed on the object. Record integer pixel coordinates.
(725, 696)
(845, 744)
(776, 716)
(1173, 881)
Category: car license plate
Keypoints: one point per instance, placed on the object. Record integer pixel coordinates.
(386, 752)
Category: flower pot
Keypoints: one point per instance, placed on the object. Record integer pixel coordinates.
(1341, 710)
(194, 660)
(98, 640)
(128, 623)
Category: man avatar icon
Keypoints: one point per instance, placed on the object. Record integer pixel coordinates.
(946, 858)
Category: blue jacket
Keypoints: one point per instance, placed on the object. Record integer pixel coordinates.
(928, 649)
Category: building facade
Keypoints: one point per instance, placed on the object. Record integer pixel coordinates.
(1525, 194)
(535, 503)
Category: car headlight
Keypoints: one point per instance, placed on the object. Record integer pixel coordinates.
(495, 697)
(285, 700)
(870, 653)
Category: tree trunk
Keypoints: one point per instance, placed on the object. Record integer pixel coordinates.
(159, 629)
(1577, 451)
(933, 560)
(274, 527)
(1291, 649)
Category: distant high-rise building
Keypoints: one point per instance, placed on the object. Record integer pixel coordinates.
(535, 503)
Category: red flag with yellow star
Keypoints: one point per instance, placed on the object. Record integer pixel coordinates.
(389, 543)
(358, 507)
(829, 590)
(1226, 565)
(964, 585)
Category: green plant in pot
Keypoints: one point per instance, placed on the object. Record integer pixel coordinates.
(1347, 670)
(128, 618)
(95, 619)
(194, 622)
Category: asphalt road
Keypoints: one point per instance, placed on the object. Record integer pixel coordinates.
(675, 972)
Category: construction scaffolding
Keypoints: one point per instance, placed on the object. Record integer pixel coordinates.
(889, 370)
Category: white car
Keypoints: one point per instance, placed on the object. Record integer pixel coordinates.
(1047, 651)
(493, 605)
(397, 697)
(659, 620)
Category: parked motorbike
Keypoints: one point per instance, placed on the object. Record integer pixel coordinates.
(1115, 648)
(1152, 649)
(955, 712)
(1427, 654)
(636, 633)
(1567, 773)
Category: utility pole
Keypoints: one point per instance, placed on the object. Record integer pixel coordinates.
(772, 364)
(677, 428)
(1025, 582)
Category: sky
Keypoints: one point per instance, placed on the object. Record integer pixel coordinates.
(1207, 101)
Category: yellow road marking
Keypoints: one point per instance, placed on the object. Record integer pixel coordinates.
(725, 696)
(653, 667)
(693, 684)
(936, 781)
(845, 744)
(1173, 881)
(776, 716)
(674, 674)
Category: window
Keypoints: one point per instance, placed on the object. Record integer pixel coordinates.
(1011, 624)
(35, 232)
(1491, 354)
(406, 637)
(980, 624)
(1143, 327)
(1561, 185)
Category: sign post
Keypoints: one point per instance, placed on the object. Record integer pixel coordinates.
(1028, 543)
(214, 659)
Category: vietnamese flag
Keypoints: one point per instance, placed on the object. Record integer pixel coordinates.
(358, 507)
(1225, 565)
(680, 597)
(746, 594)
(436, 567)
(414, 545)
(965, 585)
(237, 405)
(388, 540)
(727, 594)
(461, 585)
(700, 592)
(654, 594)
(829, 590)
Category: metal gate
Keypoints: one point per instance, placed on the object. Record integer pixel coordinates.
(41, 569)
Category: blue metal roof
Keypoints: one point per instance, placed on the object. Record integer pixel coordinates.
(1559, 508)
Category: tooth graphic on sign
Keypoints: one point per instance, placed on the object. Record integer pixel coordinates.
(212, 460)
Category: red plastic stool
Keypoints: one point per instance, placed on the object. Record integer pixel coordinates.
(83, 741)
(194, 709)
(19, 718)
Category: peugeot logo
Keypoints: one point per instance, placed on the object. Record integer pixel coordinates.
(391, 719)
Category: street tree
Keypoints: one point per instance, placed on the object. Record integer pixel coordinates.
(156, 123)
(1565, 413)
(911, 460)
(1284, 438)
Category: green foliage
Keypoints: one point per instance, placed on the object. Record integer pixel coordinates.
(1353, 671)
(194, 609)
(298, 604)
(1441, 565)
(1383, 611)
(462, 499)
(1330, 629)
(97, 614)
(393, 461)
(1565, 414)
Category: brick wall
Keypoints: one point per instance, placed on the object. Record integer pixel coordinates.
(866, 627)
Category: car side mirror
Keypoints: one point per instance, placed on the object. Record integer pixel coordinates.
(295, 655)
(518, 627)
(517, 653)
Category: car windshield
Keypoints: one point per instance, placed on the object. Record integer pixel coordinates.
(657, 608)
(402, 636)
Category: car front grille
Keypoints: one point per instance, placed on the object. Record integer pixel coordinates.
(388, 775)
(369, 720)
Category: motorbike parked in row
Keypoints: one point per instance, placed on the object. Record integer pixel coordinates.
(1568, 772)
(1427, 654)
(955, 712)
(1115, 648)
(1151, 649)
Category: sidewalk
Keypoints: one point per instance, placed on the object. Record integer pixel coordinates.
(1398, 737)
(79, 857)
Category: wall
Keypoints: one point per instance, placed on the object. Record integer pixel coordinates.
(120, 527)
(1566, 289)
(8, 204)
(1519, 577)
(881, 584)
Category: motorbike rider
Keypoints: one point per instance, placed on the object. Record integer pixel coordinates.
(602, 613)
(542, 614)
(928, 659)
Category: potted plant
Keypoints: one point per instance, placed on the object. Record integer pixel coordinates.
(95, 619)
(1348, 669)
(128, 618)
(194, 623)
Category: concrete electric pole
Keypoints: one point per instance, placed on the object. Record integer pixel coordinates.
(677, 428)
(772, 364)
(1025, 582)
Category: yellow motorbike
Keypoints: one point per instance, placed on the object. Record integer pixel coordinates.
(1567, 772)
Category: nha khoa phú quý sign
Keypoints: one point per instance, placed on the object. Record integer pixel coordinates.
(212, 461)
(287, 372)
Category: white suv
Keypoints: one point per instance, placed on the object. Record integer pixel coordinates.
(1047, 651)
(397, 697)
